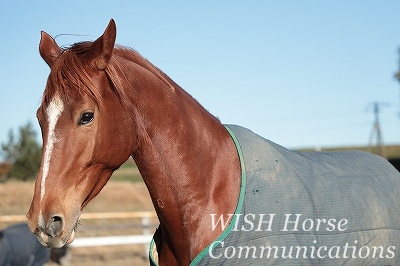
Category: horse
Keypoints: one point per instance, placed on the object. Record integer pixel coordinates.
(210, 183)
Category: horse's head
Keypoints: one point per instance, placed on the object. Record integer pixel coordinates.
(81, 118)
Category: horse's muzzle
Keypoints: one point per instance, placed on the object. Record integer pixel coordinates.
(51, 234)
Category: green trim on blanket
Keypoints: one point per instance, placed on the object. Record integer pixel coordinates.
(227, 230)
(152, 249)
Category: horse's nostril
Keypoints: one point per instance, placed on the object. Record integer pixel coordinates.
(54, 226)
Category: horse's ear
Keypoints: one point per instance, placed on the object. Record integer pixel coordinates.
(48, 48)
(102, 48)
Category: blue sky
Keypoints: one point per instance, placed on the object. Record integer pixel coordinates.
(300, 73)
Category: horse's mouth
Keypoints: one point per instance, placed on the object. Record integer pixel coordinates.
(54, 242)
(71, 237)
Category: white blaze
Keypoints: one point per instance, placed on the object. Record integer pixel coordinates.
(53, 112)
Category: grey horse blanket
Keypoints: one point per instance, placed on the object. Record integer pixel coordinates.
(19, 247)
(314, 208)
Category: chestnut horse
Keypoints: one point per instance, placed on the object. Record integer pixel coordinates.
(104, 103)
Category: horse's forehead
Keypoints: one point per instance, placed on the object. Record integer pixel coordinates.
(52, 110)
(55, 107)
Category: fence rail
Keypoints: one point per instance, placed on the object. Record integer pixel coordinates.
(111, 241)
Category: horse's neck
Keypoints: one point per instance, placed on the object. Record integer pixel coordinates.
(190, 166)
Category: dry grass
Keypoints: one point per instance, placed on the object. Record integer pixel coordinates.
(15, 197)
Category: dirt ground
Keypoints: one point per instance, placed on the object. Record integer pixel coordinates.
(117, 196)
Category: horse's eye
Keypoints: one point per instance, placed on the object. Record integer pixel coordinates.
(86, 118)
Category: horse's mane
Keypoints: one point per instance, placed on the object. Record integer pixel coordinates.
(70, 72)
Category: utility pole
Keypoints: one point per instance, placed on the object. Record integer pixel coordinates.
(379, 147)
(397, 75)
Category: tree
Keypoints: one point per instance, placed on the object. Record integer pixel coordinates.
(23, 153)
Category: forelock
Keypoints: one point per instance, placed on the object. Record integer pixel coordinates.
(69, 76)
